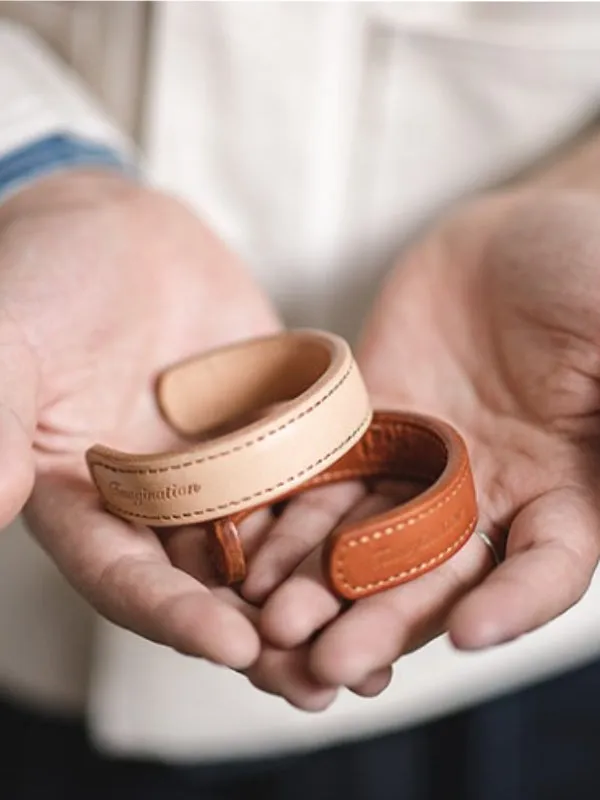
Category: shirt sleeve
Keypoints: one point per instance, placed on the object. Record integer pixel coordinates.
(48, 121)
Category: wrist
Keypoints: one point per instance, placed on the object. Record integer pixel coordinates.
(80, 188)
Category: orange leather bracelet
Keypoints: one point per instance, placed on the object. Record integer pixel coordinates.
(366, 557)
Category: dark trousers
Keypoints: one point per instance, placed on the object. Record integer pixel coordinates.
(539, 744)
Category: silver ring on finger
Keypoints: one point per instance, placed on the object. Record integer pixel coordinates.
(491, 547)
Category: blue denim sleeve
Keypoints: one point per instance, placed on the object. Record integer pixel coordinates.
(55, 153)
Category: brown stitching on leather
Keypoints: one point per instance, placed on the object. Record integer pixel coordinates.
(97, 462)
(366, 538)
(232, 503)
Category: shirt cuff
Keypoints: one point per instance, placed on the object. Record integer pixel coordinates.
(54, 153)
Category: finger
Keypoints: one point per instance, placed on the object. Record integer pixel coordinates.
(300, 606)
(16, 465)
(126, 575)
(18, 416)
(552, 552)
(304, 603)
(399, 491)
(304, 524)
(286, 674)
(187, 549)
(376, 631)
(374, 684)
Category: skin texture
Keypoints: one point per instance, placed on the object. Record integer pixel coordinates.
(102, 284)
(492, 322)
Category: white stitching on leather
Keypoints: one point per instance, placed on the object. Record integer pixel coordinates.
(366, 538)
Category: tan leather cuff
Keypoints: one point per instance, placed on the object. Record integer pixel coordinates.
(372, 555)
(271, 413)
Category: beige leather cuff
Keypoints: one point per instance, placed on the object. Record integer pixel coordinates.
(265, 415)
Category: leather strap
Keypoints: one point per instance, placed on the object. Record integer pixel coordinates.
(369, 556)
(265, 416)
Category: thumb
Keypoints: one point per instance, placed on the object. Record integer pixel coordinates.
(552, 552)
(18, 416)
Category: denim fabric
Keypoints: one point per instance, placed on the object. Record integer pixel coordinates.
(59, 151)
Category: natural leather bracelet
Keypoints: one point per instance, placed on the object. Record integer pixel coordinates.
(366, 557)
(265, 416)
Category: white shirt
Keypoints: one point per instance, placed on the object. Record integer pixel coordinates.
(317, 139)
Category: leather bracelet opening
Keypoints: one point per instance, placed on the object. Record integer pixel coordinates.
(308, 405)
(217, 394)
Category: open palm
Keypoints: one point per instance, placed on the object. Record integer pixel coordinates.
(103, 284)
(492, 323)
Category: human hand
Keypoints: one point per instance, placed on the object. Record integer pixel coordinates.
(493, 323)
(102, 284)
